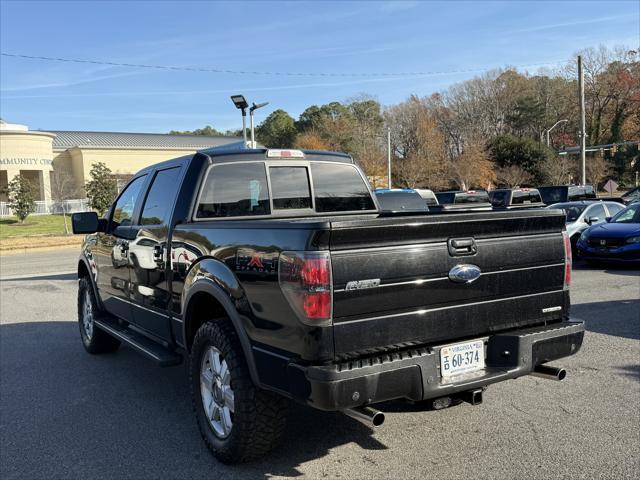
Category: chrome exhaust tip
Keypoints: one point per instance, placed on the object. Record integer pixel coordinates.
(549, 372)
(368, 415)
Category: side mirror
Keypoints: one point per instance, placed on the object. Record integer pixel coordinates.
(593, 220)
(87, 222)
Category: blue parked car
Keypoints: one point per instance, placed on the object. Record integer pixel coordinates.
(616, 240)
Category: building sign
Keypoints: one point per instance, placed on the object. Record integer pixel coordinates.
(32, 162)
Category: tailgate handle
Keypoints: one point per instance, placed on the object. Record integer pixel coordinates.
(459, 247)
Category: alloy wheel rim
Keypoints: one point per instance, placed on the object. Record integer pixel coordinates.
(87, 316)
(216, 392)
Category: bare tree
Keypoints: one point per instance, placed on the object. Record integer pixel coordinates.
(558, 170)
(472, 168)
(512, 176)
(418, 145)
(597, 169)
(63, 188)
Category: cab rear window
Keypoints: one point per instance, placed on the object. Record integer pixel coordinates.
(469, 197)
(235, 190)
(242, 189)
(339, 188)
(525, 196)
(290, 188)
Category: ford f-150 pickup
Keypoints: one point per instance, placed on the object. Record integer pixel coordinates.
(276, 276)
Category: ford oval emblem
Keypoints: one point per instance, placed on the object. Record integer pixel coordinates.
(464, 273)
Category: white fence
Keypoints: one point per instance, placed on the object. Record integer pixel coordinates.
(48, 207)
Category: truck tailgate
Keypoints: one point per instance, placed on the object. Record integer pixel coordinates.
(392, 286)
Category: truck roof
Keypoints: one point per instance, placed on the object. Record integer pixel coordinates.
(235, 152)
(229, 151)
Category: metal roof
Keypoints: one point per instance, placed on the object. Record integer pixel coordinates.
(69, 138)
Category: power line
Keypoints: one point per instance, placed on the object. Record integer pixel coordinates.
(276, 73)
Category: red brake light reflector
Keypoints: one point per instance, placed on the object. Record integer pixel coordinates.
(567, 260)
(317, 305)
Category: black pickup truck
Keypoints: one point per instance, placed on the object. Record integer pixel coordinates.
(274, 273)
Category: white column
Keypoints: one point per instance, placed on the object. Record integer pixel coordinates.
(45, 185)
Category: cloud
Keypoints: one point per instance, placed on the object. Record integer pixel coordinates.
(575, 23)
(67, 83)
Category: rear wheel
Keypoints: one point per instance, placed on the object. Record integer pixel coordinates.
(238, 421)
(93, 339)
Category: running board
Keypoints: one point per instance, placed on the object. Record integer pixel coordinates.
(156, 352)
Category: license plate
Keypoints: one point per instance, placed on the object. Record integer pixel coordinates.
(461, 358)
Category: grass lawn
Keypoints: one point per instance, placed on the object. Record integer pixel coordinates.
(10, 227)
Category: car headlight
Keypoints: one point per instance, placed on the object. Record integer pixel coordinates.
(633, 240)
(585, 236)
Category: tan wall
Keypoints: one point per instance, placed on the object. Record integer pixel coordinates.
(28, 151)
(76, 161)
(122, 162)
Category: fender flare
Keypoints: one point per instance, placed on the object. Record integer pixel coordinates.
(210, 286)
(83, 259)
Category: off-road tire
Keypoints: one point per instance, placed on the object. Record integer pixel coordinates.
(98, 341)
(259, 417)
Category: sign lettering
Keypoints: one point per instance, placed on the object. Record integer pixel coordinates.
(27, 161)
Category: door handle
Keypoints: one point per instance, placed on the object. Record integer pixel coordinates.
(460, 247)
(158, 253)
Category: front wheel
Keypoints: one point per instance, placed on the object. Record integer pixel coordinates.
(238, 421)
(93, 339)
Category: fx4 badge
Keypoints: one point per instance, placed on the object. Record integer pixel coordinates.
(249, 260)
(363, 284)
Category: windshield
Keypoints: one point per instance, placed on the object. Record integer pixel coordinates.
(572, 210)
(633, 193)
(628, 215)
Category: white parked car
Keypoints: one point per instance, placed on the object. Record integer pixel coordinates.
(582, 214)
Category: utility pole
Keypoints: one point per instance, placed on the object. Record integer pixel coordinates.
(583, 126)
(389, 154)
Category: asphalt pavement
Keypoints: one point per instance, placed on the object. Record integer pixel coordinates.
(67, 414)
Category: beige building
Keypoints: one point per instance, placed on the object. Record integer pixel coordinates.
(41, 155)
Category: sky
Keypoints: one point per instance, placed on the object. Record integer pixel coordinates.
(446, 42)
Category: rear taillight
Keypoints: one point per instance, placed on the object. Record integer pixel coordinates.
(567, 260)
(305, 280)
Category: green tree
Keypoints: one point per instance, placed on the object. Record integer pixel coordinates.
(101, 189)
(526, 117)
(21, 196)
(208, 131)
(277, 130)
(508, 150)
(309, 119)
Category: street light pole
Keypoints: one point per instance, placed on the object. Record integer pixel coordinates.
(253, 108)
(389, 154)
(554, 126)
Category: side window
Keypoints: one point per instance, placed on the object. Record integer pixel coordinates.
(234, 190)
(163, 191)
(614, 208)
(290, 187)
(126, 203)
(596, 211)
(339, 188)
